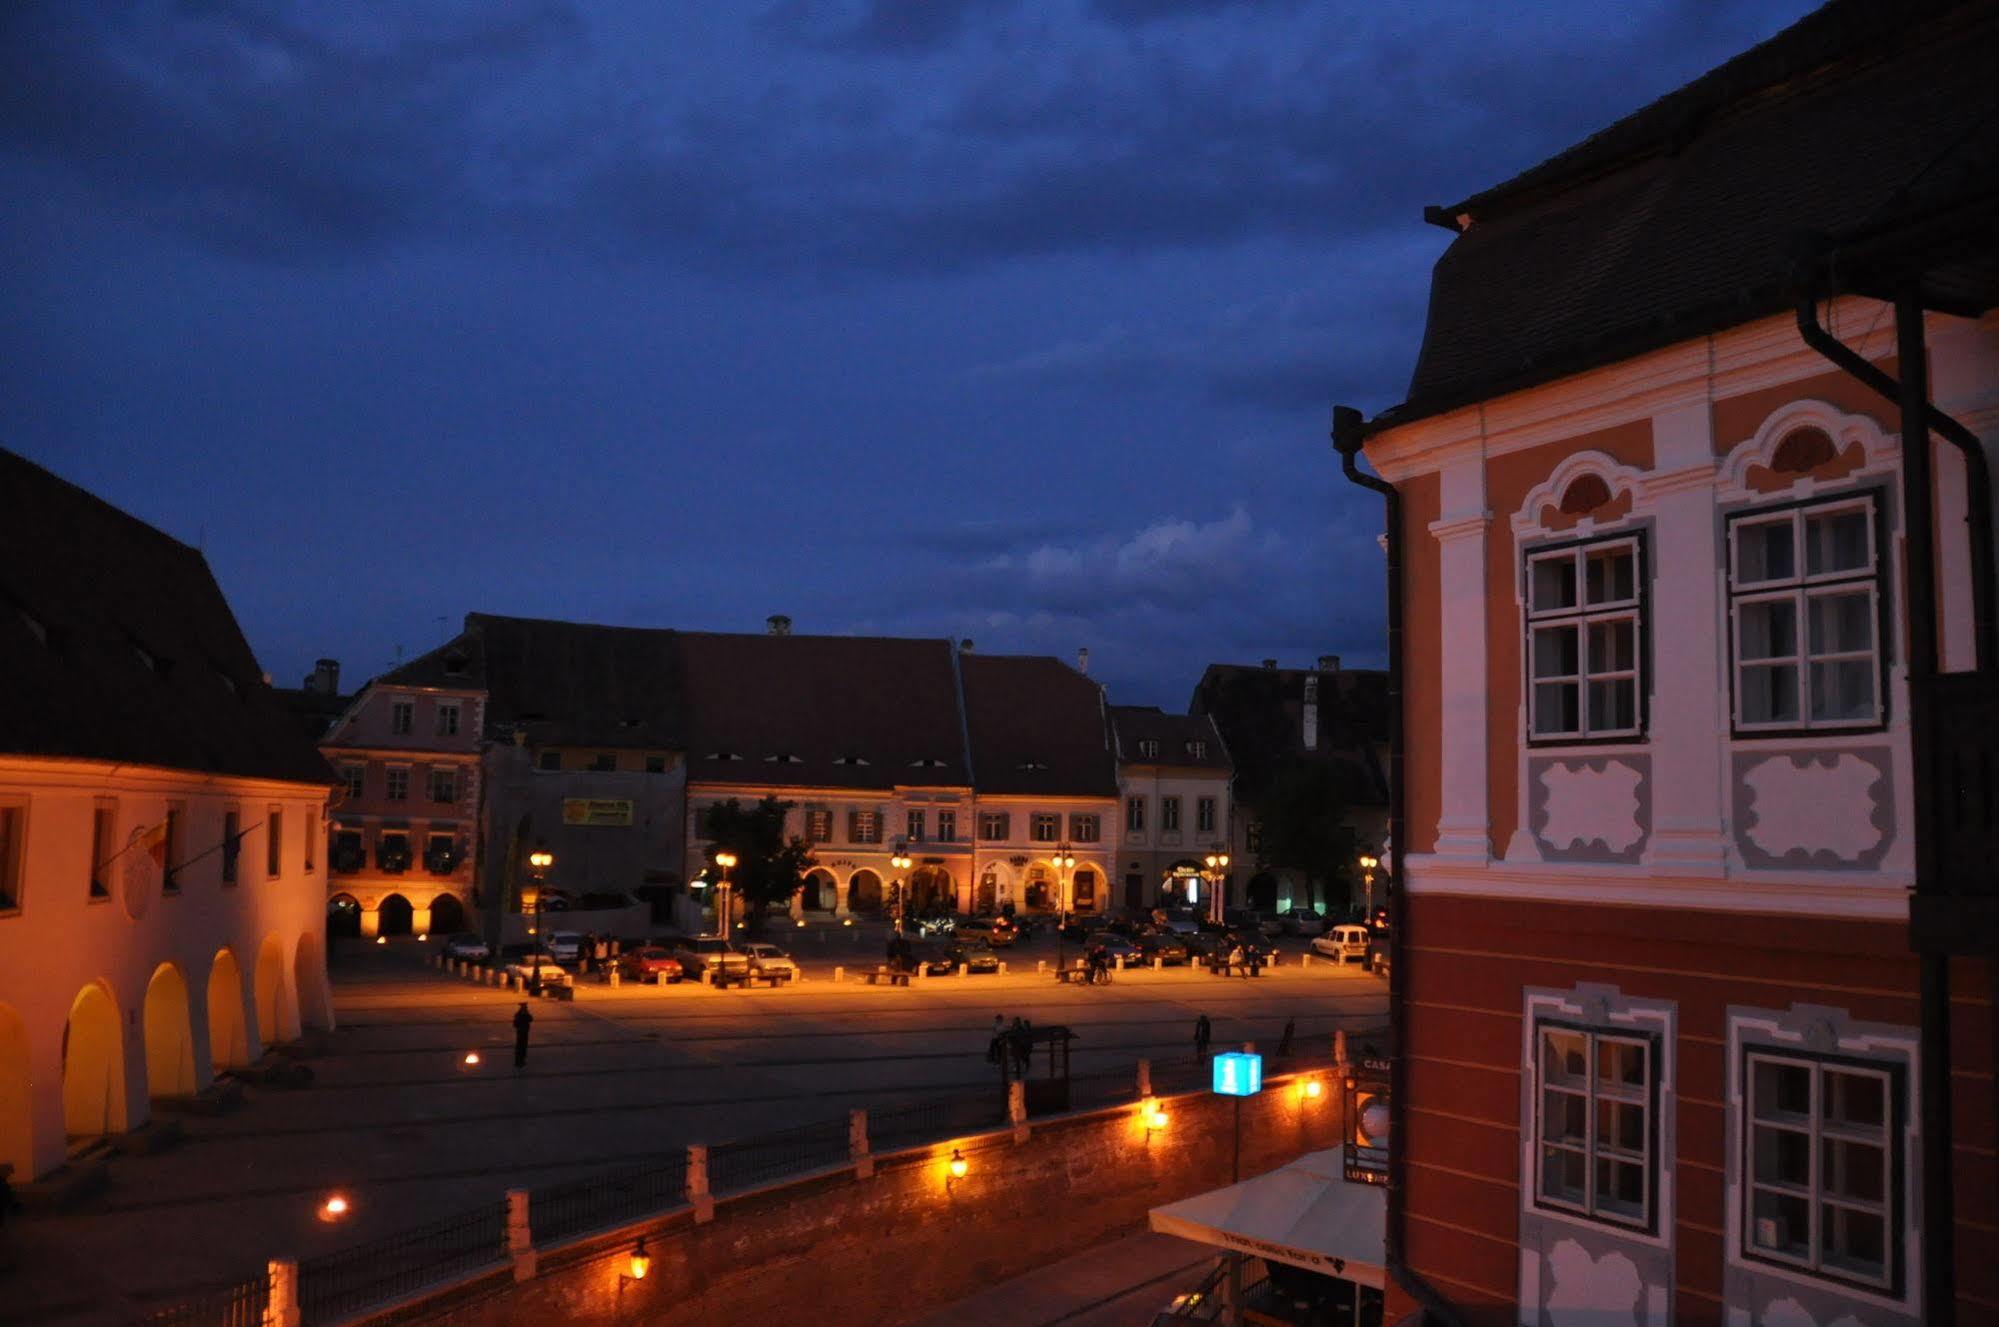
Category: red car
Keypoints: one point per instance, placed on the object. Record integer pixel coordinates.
(647, 963)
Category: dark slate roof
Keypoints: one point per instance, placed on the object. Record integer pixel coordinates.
(312, 711)
(1260, 714)
(822, 711)
(116, 644)
(1133, 724)
(1682, 218)
(1037, 726)
(565, 683)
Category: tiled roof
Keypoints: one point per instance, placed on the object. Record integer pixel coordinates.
(1037, 726)
(1682, 218)
(1134, 724)
(566, 683)
(822, 711)
(116, 644)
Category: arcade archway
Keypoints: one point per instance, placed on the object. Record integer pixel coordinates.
(315, 1007)
(394, 916)
(931, 891)
(447, 915)
(864, 892)
(820, 891)
(228, 1038)
(93, 1066)
(343, 916)
(277, 1018)
(169, 1035)
(17, 1137)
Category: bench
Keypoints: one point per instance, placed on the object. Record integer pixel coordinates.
(1239, 969)
(893, 976)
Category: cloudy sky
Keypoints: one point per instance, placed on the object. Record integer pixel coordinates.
(1010, 319)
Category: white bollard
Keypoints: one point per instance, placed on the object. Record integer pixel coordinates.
(1120, 962)
(1158, 963)
(1306, 961)
(617, 977)
(1002, 971)
(660, 978)
(964, 969)
(839, 974)
(1040, 965)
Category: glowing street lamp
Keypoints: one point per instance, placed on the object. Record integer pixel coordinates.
(1368, 862)
(1064, 862)
(1216, 870)
(900, 860)
(725, 860)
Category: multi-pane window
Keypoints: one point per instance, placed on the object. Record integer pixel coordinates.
(274, 843)
(1148, 748)
(447, 719)
(1805, 603)
(402, 716)
(995, 825)
(1595, 1152)
(232, 844)
(1169, 815)
(947, 826)
(818, 826)
(1204, 815)
(1085, 829)
(1584, 617)
(351, 778)
(396, 783)
(103, 824)
(1045, 827)
(443, 785)
(1197, 749)
(1821, 1155)
(13, 822)
(915, 834)
(1134, 814)
(1252, 836)
(864, 827)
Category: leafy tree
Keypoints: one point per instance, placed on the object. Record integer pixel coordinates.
(1302, 814)
(769, 868)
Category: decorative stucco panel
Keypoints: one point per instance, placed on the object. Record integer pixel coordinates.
(1829, 810)
(1590, 809)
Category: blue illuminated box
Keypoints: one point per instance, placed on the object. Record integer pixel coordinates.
(1238, 1074)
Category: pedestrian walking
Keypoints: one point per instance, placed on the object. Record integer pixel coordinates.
(523, 1020)
(1204, 1032)
(1284, 1041)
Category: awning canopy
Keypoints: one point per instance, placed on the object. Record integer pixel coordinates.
(1304, 1214)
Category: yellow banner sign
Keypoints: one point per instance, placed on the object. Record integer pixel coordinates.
(596, 811)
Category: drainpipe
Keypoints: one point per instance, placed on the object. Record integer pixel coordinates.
(1919, 419)
(1349, 432)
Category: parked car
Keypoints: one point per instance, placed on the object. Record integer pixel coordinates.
(936, 923)
(1343, 944)
(1301, 921)
(697, 955)
(1115, 946)
(527, 966)
(1180, 921)
(1249, 919)
(1254, 944)
(566, 946)
(997, 932)
(939, 958)
(1377, 952)
(646, 962)
(1168, 947)
(767, 960)
(467, 947)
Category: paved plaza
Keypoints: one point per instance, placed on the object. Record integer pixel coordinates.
(399, 1123)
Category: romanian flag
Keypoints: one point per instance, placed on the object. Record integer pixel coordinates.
(154, 841)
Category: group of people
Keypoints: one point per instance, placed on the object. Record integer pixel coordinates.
(600, 953)
(1012, 1046)
(1238, 960)
(1204, 1033)
(1096, 965)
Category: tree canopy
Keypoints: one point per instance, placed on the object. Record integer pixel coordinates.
(1301, 814)
(769, 867)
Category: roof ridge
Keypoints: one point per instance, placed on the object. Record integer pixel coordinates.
(119, 512)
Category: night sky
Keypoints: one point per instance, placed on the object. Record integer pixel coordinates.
(1010, 319)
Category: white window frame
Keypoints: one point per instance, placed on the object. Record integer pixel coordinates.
(447, 718)
(1204, 815)
(913, 823)
(1798, 589)
(1044, 827)
(1134, 815)
(402, 715)
(995, 826)
(818, 825)
(1169, 815)
(354, 780)
(447, 771)
(1888, 1138)
(947, 826)
(389, 777)
(864, 826)
(1592, 1090)
(1085, 828)
(1580, 617)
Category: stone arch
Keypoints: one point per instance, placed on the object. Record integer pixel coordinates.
(447, 915)
(395, 916)
(93, 1065)
(993, 889)
(17, 1135)
(315, 1005)
(1261, 892)
(821, 892)
(1086, 889)
(1040, 890)
(931, 890)
(1804, 440)
(277, 1012)
(228, 1037)
(1591, 486)
(169, 1030)
(343, 916)
(864, 892)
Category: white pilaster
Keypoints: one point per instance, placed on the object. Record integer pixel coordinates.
(1463, 827)
(1689, 680)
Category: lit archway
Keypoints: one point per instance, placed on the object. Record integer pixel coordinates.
(1039, 893)
(931, 892)
(864, 892)
(17, 1137)
(821, 892)
(447, 915)
(277, 1015)
(169, 1035)
(93, 1065)
(394, 916)
(315, 1006)
(228, 1038)
(343, 916)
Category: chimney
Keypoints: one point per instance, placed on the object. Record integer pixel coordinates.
(325, 679)
(965, 645)
(778, 624)
(1311, 711)
(1329, 663)
(1270, 663)
(1083, 660)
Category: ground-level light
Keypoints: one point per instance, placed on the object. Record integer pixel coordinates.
(471, 1057)
(958, 1164)
(381, 939)
(334, 1208)
(1314, 1088)
(1155, 1118)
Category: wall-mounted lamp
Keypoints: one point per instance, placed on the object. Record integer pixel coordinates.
(637, 1264)
(1155, 1118)
(846, 921)
(423, 935)
(335, 1207)
(381, 939)
(959, 1166)
(471, 1057)
(1312, 1089)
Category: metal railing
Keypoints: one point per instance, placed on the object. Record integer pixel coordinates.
(339, 1285)
(240, 1304)
(612, 1198)
(922, 1122)
(748, 1163)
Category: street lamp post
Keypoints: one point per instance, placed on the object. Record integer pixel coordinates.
(899, 890)
(725, 860)
(1065, 861)
(1368, 861)
(1217, 864)
(538, 863)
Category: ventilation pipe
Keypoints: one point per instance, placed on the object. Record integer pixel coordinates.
(1083, 660)
(965, 645)
(777, 624)
(1311, 712)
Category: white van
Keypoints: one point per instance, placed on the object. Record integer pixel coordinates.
(1343, 944)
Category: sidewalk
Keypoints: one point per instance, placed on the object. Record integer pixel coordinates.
(1119, 1284)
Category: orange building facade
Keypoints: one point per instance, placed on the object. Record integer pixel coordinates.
(1694, 979)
